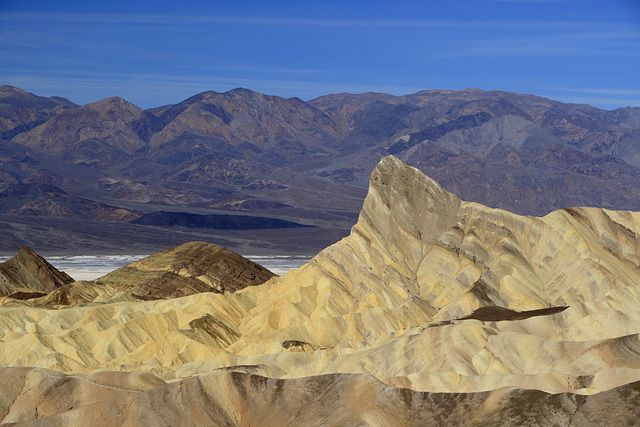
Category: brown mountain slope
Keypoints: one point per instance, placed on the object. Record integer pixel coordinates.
(523, 153)
(187, 269)
(112, 125)
(21, 110)
(36, 396)
(29, 271)
(261, 124)
(241, 139)
(47, 200)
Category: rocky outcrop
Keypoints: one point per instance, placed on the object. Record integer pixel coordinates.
(188, 269)
(28, 271)
(522, 319)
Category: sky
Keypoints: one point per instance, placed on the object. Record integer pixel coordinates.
(154, 53)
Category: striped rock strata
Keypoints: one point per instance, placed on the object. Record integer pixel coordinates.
(428, 293)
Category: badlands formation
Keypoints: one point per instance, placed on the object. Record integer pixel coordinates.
(433, 311)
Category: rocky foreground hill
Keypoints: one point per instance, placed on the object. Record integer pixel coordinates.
(247, 153)
(432, 311)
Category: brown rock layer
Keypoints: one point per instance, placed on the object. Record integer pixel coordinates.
(42, 397)
(187, 269)
(28, 270)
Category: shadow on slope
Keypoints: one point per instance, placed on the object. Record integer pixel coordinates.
(214, 221)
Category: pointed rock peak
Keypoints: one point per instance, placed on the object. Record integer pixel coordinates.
(404, 209)
(396, 181)
(241, 91)
(27, 252)
(114, 102)
(29, 270)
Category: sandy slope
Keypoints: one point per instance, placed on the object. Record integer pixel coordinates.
(396, 300)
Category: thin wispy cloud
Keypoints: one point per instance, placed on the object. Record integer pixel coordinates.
(112, 18)
(513, 45)
(582, 43)
(609, 98)
(603, 102)
(623, 92)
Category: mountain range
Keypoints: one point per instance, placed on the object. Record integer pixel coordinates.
(309, 162)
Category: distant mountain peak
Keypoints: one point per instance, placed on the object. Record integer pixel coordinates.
(7, 89)
(113, 120)
(242, 91)
(114, 101)
(12, 92)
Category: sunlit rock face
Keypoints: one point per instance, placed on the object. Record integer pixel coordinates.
(416, 242)
(429, 294)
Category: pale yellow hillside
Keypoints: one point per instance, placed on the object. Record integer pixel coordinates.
(387, 301)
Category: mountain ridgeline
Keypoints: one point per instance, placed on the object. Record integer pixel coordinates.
(309, 161)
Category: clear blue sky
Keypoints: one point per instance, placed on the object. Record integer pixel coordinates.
(161, 52)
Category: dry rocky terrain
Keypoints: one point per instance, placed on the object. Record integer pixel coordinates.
(433, 311)
(256, 155)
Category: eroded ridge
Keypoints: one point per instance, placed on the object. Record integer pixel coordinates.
(428, 294)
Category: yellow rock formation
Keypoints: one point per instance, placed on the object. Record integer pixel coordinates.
(389, 301)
